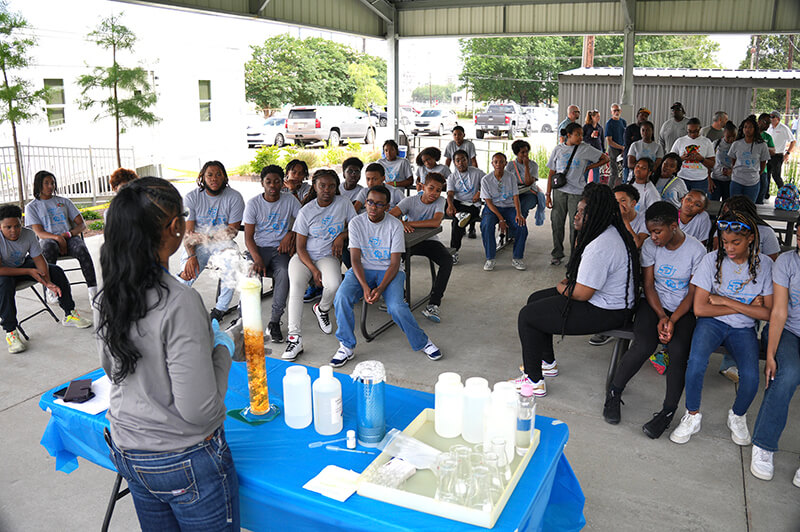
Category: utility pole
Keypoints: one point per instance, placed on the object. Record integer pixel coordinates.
(786, 114)
(588, 51)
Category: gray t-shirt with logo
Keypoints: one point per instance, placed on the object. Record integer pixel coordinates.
(502, 191)
(397, 170)
(604, 267)
(416, 210)
(768, 240)
(272, 220)
(465, 185)
(721, 161)
(209, 213)
(14, 252)
(698, 227)
(452, 148)
(396, 193)
(748, 155)
(640, 149)
(423, 171)
(786, 273)
(673, 269)
(323, 224)
(584, 156)
(55, 215)
(377, 241)
(350, 194)
(518, 170)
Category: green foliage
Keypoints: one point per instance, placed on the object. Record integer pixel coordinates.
(311, 157)
(96, 225)
(466, 115)
(367, 89)
(90, 215)
(311, 71)
(268, 155)
(541, 156)
(426, 93)
(773, 54)
(354, 147)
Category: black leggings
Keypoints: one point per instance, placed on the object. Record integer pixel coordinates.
(456, 232)
(435, 251)
(646, 341)
(76, 247)
(543, 317)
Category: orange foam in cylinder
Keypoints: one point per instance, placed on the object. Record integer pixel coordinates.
(256, 371)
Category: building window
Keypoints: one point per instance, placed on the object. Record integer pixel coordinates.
(54, 102)
(204, 87)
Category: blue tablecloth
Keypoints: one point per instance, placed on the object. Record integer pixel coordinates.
(274, 462)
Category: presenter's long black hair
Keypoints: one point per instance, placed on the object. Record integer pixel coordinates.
(135, 222)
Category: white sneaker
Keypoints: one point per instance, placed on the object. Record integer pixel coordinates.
(518, 264)
(689, 425)
(294, 346)
(539, 389)
(489, 265)
(796, 479)
(463, 219)
(732, 374)
(433, 352)
(15, 344)
(342, 355)
(73, 319)
(761, 465)
(52, 298)
(738, 425)
(323, 319)
(549, 370)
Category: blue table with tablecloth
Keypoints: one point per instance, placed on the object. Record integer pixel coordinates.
(274, 462)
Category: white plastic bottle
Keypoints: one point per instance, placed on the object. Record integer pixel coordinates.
(297, 397)
(327, 393)
(500, 417)
(476, 399)
(448, 405)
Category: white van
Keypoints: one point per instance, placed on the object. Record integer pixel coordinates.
(331, 123)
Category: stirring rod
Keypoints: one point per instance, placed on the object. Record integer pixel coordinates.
(334, 448)
(316, 444)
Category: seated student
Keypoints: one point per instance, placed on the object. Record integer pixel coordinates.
(427, 162)
(499, 191)
(721, 173)
(782, 369)
(121, 177)
(295, 181)
(669, 259)
(21, 259)
(526, 172)
(668, 183)
(646, 148)
(733, 289)
(463, 198)
(458, 143)
(374, 174)
(426, 210)
(376, 246)
(215, 215)
(59, 224)
(749, 155)
(321, 230)
(648, 193)
(398, 170)
(267, 221)
(628, 200)
(692, 216)
(351, 169)
(603, 278)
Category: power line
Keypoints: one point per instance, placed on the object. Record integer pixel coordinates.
(567, 58)
(502, 78)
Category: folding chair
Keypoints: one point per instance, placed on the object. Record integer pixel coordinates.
(29, 283)
(78, 269)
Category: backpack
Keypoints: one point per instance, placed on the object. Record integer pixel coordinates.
(788, 198)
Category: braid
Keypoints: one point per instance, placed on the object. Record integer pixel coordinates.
(753, 249)
(324, 172)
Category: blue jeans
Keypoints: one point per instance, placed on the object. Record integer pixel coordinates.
(775, 407)
(697, 185)
(742, 343)
(277, 265)
(193, 489)
(527, 202)
(204, 253)
(488, 223)
(350, 292)
(749, 191)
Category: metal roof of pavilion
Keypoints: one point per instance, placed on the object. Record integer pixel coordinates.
(773, 79)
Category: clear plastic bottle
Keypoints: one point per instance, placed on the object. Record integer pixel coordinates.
(500, 417)
(297, 397)
(327, 395)
(448, 405)
(526, 415)
(476, 399)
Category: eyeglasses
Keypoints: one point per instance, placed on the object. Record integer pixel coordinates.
(378, 204)
(183, 214)
(732, 226)
(615, 110)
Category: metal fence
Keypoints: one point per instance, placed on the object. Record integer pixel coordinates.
(81, 173)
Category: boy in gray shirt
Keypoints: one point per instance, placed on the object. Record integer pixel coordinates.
(499, 191)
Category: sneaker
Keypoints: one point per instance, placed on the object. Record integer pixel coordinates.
(342, 355)
(732, 374)
(294, 346)
(599, 339)
(660, 361)
(738, 425)
(432, 351)
(463, 219)
(796, 479)
(761, 465)
(689, 425)
(274, 330)
(15, 344)
(455, 257)
(518, 264)
(555, 261)
(472, 234)
(323, 319)
(432, 313)
(51, 296)
(489, 265)
(216, 314)
(313, 293)
(549, 370)
(611, 408)
(656, 426)
(73, 319)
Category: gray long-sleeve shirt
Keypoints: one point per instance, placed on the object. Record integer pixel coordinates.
(175, 397)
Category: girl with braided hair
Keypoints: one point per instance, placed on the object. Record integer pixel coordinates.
(598, 293)
(733, 289)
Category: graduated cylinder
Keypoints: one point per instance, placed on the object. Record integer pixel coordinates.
(254, 346)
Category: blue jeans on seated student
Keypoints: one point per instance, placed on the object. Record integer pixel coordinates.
(192, 489)
(204, 253)
(742, 343)
(527, 201)
(350, 292)
(775, 407)
(8, 288)
(489, 221)
(697, 185)
(278, 266)
(751, 191)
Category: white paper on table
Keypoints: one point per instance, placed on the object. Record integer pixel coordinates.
(102, 391)
(334, 482)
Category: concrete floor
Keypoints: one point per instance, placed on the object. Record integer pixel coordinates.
(630, 482)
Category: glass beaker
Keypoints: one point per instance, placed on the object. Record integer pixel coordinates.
(446, 483)
(479, 496)
(462, 453)
(499, 447)
(497, 485)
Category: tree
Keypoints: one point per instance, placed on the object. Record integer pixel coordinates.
(367, 89)
(773, 54)
(128, 91)
(308, 71)
(17, 97)
(442, 93)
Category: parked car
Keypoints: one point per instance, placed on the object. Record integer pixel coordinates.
(269, 133)
(435, 122)
(379, 115)
(411, 110)
(543, 119)
(502, 118)
(331, 123)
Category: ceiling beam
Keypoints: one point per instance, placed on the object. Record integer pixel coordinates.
(382, 9)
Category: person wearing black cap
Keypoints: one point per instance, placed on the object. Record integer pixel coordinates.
(673, 128)
(632, 134)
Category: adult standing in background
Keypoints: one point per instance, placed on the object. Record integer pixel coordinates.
(697, 154)
(633, 133)
(674, 128)
(573, 114)
(594, 136)
(714, 132)
(615, 135)
(784, 141)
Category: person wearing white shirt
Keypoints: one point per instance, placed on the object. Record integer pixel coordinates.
(697, 154)
(784, 141)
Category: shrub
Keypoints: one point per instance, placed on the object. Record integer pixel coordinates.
(334, 156)
(354, 148)
(264, 157)
(310, 157)
(541, 156)
(91, 215)
(96, 225)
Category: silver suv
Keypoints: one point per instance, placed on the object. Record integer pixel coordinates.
(331, 123)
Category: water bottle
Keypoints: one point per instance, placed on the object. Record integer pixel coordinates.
(448, 405)
(297, 397)
(370, 391)
(327, 395)
(476, 398)
(500, 417)
(526, 416)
